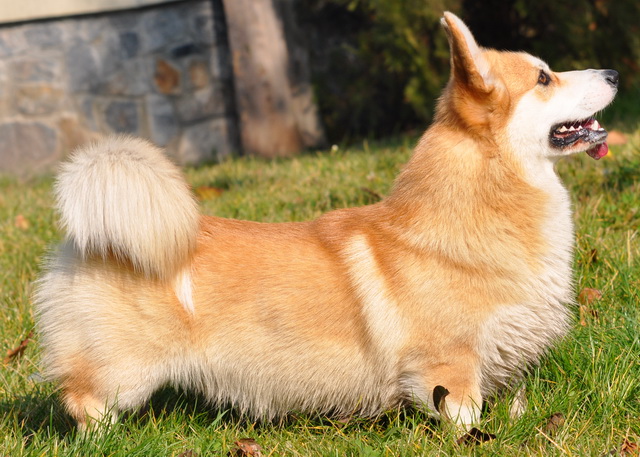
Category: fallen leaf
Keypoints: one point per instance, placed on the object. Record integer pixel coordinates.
(246, 447)
(584, 311)
(208, 192)
(588, 296)
(188, 453)
(21, 222)
(592, 256)
(629, 448)
(554, 423)
(475, 436)
(585, 298)
(17, 351)
(616, 138)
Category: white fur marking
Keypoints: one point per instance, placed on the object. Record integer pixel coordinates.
(183, 289)
(383, 319)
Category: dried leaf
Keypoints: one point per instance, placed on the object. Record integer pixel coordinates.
(18, 350)
(588, 296)
(439, 395)
(554, 423)
(585, 298)
(629, 448)
(475, 436)
(584, 311)
(246, 447)
(208, 192)
(616, 138)
(188, 453)
(21, 222)
(592, 256)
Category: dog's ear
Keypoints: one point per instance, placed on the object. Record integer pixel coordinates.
(468, 64)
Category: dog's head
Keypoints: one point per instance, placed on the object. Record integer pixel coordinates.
(515, 99)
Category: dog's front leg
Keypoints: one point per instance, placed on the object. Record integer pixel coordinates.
(451, 392)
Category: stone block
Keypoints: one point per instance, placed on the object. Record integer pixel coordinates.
(133, 78)
(163, 123)
(44, 35)
(37, 100)
(164, 27)
(129, 44)
(45, 68)
(83, 71)
(28, 147)
(12, 41)
(85, 107)
(167, 77)
(199, 76)
(121, 116)
(108, 53)
(73, 133)
(202, 103)
(202, 25)
(207, 141)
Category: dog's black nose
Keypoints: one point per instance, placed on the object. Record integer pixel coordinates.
(612, 77)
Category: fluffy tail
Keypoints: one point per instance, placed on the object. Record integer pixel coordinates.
(122, 197)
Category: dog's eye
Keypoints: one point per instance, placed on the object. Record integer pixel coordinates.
(544, 78)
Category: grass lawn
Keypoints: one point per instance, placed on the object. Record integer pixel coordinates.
(592, 378)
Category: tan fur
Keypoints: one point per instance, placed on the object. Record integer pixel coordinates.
(456, 279)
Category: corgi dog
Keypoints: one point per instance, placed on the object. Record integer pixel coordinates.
(451, 286)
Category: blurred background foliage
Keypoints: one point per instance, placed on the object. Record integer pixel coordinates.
(379, 65)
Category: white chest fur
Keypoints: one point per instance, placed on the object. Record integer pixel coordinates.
(517, 334)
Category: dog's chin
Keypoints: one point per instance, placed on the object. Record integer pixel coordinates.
(577, 136)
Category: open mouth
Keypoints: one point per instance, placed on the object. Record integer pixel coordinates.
(587, 131)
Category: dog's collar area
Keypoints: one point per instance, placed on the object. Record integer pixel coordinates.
(587, 130)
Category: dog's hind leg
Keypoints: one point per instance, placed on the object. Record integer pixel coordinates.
(84, 400)
(94, 396)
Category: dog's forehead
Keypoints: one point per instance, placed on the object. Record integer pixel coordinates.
(519, 62)
(535, 61)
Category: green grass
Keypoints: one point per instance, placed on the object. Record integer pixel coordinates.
(592, 377)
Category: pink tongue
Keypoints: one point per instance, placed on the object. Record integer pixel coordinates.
(599, 151)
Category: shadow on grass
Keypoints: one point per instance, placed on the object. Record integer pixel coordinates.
(42, 414)
(188, 406)
(36, 413)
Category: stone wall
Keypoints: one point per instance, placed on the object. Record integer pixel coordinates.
(161, 72)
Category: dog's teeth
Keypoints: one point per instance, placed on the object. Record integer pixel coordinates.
(595, 125)
(562, 129)
(572, 129)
